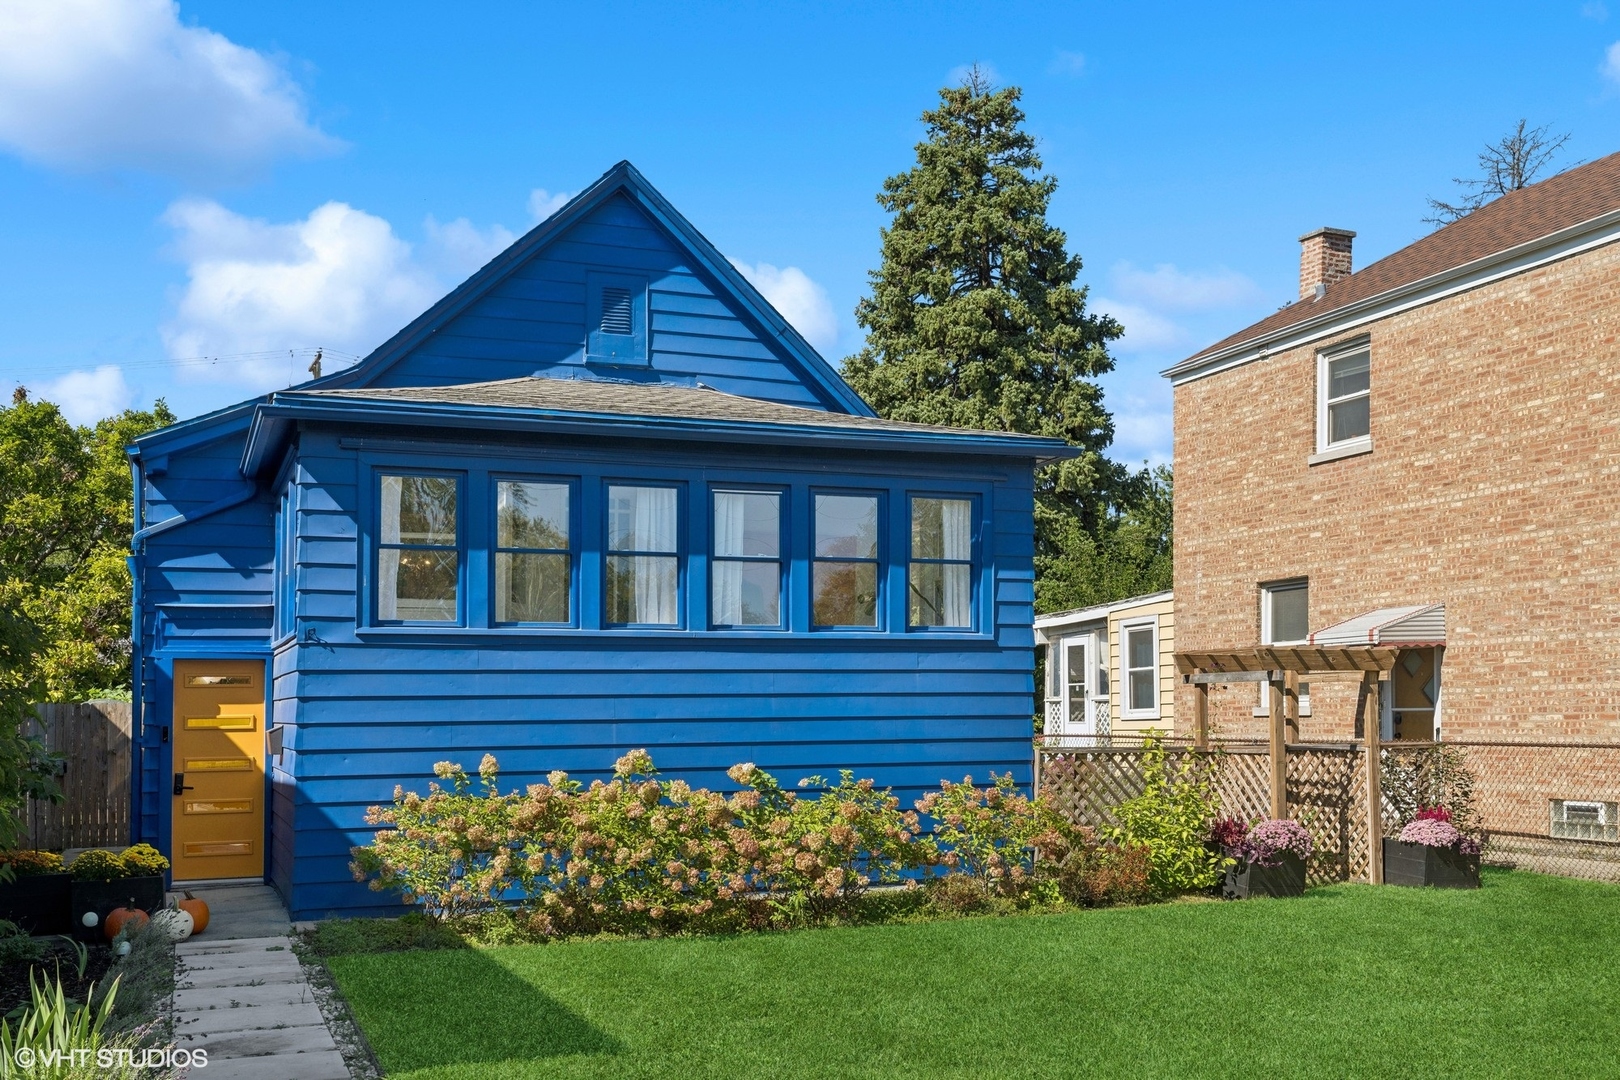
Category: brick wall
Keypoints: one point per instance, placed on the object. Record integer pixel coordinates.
(1493, 487)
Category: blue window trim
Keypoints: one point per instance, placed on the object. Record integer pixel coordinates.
(783, 560)
(886, 590)
(590, 473)
(973, 562)
(617, 349)
(680, 555)
(375, 547)
(492, 531)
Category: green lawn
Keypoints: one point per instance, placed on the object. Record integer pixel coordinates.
(1516, 979)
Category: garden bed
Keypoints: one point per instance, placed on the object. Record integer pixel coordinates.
(1185, 988)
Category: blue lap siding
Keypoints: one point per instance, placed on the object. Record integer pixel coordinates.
(363, 706)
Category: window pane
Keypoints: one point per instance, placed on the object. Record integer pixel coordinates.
(747, 593)
(641, 589)
(1139, 648)
(641, 518)
(1290, 619)
(416, 586)
(1350, 375)
(1077, 666)
(941, 594)
(531, 588)
(418, 510)
(845, 594)
(1143, 688)
(847, 526)
(1349, 419)
(530, 515)
(747, 523)
(942, 529)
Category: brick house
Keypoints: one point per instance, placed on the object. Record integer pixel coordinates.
(1424, 452)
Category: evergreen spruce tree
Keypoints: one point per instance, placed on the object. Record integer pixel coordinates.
(976, 320)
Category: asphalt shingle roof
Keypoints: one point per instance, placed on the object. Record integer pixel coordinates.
(603, 397)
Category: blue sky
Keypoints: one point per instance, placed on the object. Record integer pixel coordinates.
(240, 180)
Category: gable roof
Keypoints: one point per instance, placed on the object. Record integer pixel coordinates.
(624, 179)
(1416, 624)
(1583, 198)
(622, 410)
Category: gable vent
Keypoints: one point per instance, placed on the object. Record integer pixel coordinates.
(616, 310)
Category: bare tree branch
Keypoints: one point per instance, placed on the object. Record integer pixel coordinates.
(1513, 162)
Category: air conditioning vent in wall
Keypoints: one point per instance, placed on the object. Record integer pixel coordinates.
(616, 311)
(1580, 819)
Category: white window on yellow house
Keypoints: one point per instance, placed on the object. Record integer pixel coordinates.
(1139, 668)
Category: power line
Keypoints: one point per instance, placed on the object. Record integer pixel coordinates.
(341, 359)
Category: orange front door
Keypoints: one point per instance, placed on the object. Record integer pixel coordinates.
(218, 769)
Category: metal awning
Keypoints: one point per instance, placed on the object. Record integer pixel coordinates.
(1418, 624)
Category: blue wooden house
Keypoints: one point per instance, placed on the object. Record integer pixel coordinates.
(601, 496)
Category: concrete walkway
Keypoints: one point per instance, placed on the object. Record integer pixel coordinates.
(240, 994)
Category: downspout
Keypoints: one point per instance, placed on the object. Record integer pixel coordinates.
(248, 491)
(137, 655)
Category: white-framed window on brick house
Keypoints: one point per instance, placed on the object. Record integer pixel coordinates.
(1344, 399)
(1139, 668)
(1285, 619)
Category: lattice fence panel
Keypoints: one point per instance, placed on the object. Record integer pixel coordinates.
(1084, 783)
(1326, 793)
(1509, 792)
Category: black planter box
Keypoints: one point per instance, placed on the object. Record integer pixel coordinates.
(144, 892)
(1287, 878)
(1419, 864)
(37, 902)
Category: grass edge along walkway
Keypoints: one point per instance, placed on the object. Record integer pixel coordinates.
(1352, 980)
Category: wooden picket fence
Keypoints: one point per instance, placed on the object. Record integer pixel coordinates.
(94, 739)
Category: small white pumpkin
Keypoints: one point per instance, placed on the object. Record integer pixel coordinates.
(175, 923)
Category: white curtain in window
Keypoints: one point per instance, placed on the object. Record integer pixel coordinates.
(956, 528)
(643, 519)
(388, 561)
(730, 522)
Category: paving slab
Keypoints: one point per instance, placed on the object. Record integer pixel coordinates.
(254, 1018)
(280, 1042)
(211, 998)
(315, 1065)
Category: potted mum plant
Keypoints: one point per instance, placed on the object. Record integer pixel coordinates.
(104, 880)
(1430, 850)
(35, 896)
(1268, 860)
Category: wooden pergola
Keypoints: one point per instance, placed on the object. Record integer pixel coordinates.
(1280, 666)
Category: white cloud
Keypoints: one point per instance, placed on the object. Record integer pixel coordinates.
(339, 278)
(801, 301)
(1067, 63)
(460, 247)
(1611, 63)
(1169, 289)
(91, 84)
(87, 396)
(1145, 330)
(543, 203)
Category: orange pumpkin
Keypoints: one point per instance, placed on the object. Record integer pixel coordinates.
(198, 910)
(120, 917)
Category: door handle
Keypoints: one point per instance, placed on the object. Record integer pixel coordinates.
(180, 785)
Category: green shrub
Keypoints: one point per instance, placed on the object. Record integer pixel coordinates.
(1171, 819)
(97, 864)
(17, 946)
(1106, 874)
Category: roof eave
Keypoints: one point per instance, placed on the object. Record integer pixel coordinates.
(1263, 345)
(272, 422)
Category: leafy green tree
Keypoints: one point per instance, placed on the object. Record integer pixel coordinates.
(26, 769)
(976, 319)
(65, 525)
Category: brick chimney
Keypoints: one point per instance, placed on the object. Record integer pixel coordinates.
(1324, 257)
